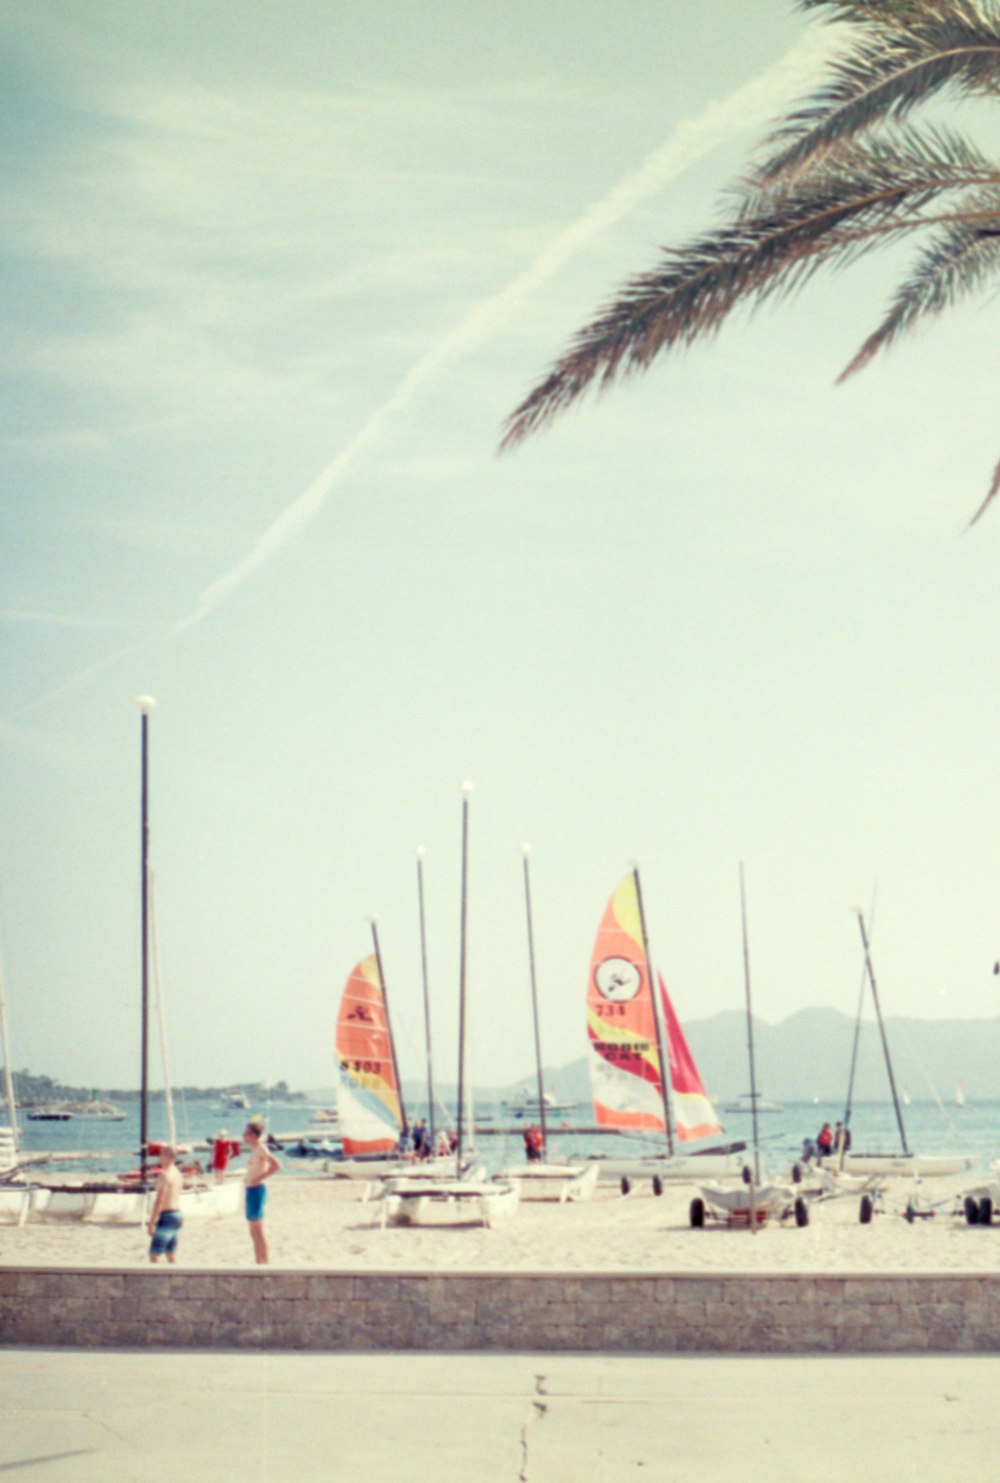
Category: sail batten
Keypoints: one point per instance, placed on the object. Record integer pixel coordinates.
(368, 1101)
(625, 1066)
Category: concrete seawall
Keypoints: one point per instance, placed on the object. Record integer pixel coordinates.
(638, 1313)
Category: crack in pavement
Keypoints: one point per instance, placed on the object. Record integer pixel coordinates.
(539, 1410)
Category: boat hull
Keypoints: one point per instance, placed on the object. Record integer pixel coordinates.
(901, 1165)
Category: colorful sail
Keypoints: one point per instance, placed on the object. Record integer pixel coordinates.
(625, 1071)
(368, 1102)
(625, 1074)
(694, 1115)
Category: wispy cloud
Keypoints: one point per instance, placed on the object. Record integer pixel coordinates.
(687, 144)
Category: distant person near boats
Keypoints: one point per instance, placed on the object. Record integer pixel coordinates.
(533, 1143)
(824, 1141)
(261, 1166)
(224, 1148)
(165, 1219)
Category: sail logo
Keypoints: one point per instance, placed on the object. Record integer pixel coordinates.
(617, 979)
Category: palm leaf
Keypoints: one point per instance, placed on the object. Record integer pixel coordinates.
(961, 258)
(889, 70)
(777, 240)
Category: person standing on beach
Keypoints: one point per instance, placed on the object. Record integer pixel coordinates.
(222, 1148)
(261, 1166)
(166, 1219)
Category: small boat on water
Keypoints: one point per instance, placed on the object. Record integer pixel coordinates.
(528, 1105)
(236, 1100)
(750, 1101)
(49, 1115)
(105, 1112)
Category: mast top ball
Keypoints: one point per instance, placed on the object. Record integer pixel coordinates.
(145, 703)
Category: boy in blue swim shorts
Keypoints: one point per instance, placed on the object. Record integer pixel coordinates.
(166, 1219)
(262, 1164)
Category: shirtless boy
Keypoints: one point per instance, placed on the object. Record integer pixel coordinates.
(261, 1166)
(166, 1218)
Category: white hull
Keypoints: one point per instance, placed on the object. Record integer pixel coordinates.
(112, 1206)
(680, 1168)
(560, 1182)
(395, 1168)
(923, 1165)
(769, 1199)
(463, 1202)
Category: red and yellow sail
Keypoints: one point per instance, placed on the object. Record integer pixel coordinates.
(626, 1075)
(368, 1102)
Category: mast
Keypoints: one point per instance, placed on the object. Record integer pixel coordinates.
(753, 1065)
(427, 997)
(388, 1024)
(462, 954)
(8, 1075)
(168, 1091)
(881, 1028)
(534, 997)
(145, 704)
(661, 1039)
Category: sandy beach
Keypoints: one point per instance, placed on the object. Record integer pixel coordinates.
(324, 1224)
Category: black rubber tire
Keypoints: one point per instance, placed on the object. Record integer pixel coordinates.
(696, 1214)
(747, 1174)
(626, 1184)
(866, 1210)
(796, 1173)
(986, 1211)
(910, 1212)
(971, 1211)
(801, 1212)
(657, 1185)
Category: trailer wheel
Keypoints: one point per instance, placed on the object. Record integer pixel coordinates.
(971, 1211)
(796, 1173)
(866, 1211)
(696, 1214)
(747, 1174)
(657, 1185)
(801, 1212)
(911, 1212)
(626, 1184)
(986, 1211)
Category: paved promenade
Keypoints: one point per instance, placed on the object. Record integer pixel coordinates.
(118, 1417)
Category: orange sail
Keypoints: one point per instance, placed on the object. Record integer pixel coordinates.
(368, 1102)
(625, 1073)
(694, 1115)
(625, 1070)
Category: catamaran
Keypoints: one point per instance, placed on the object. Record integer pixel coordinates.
(905, 1162)
(632, 1034)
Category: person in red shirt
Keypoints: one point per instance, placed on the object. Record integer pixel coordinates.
(223, 1149)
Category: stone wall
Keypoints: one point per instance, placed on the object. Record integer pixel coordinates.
(628, 1313)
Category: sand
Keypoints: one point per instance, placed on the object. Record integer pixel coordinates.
(322, 1223)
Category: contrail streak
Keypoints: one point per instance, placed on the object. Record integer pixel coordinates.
(693, 139)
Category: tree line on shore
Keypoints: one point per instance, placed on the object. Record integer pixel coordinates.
(31, 1090)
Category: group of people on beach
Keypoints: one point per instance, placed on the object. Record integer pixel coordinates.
(166, 1217)
(827, 1143)
(420, 1143)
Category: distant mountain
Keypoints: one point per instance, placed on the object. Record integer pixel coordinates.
(808, 1055)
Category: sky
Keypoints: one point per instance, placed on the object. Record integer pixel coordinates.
(272, 279)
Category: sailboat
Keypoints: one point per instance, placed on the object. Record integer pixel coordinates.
(128, 1198)
(905, 1162)
(370, 1110)
(632, 1033)
(540, 1179)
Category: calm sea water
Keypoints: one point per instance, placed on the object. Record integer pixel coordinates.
(973, 1130)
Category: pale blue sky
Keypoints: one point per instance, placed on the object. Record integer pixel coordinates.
(272, 279)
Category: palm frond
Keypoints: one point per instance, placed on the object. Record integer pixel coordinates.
(890, 68)
(960, 259)
(994, 489)
(770, 249)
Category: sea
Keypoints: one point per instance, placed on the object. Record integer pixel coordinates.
(929, 1127)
